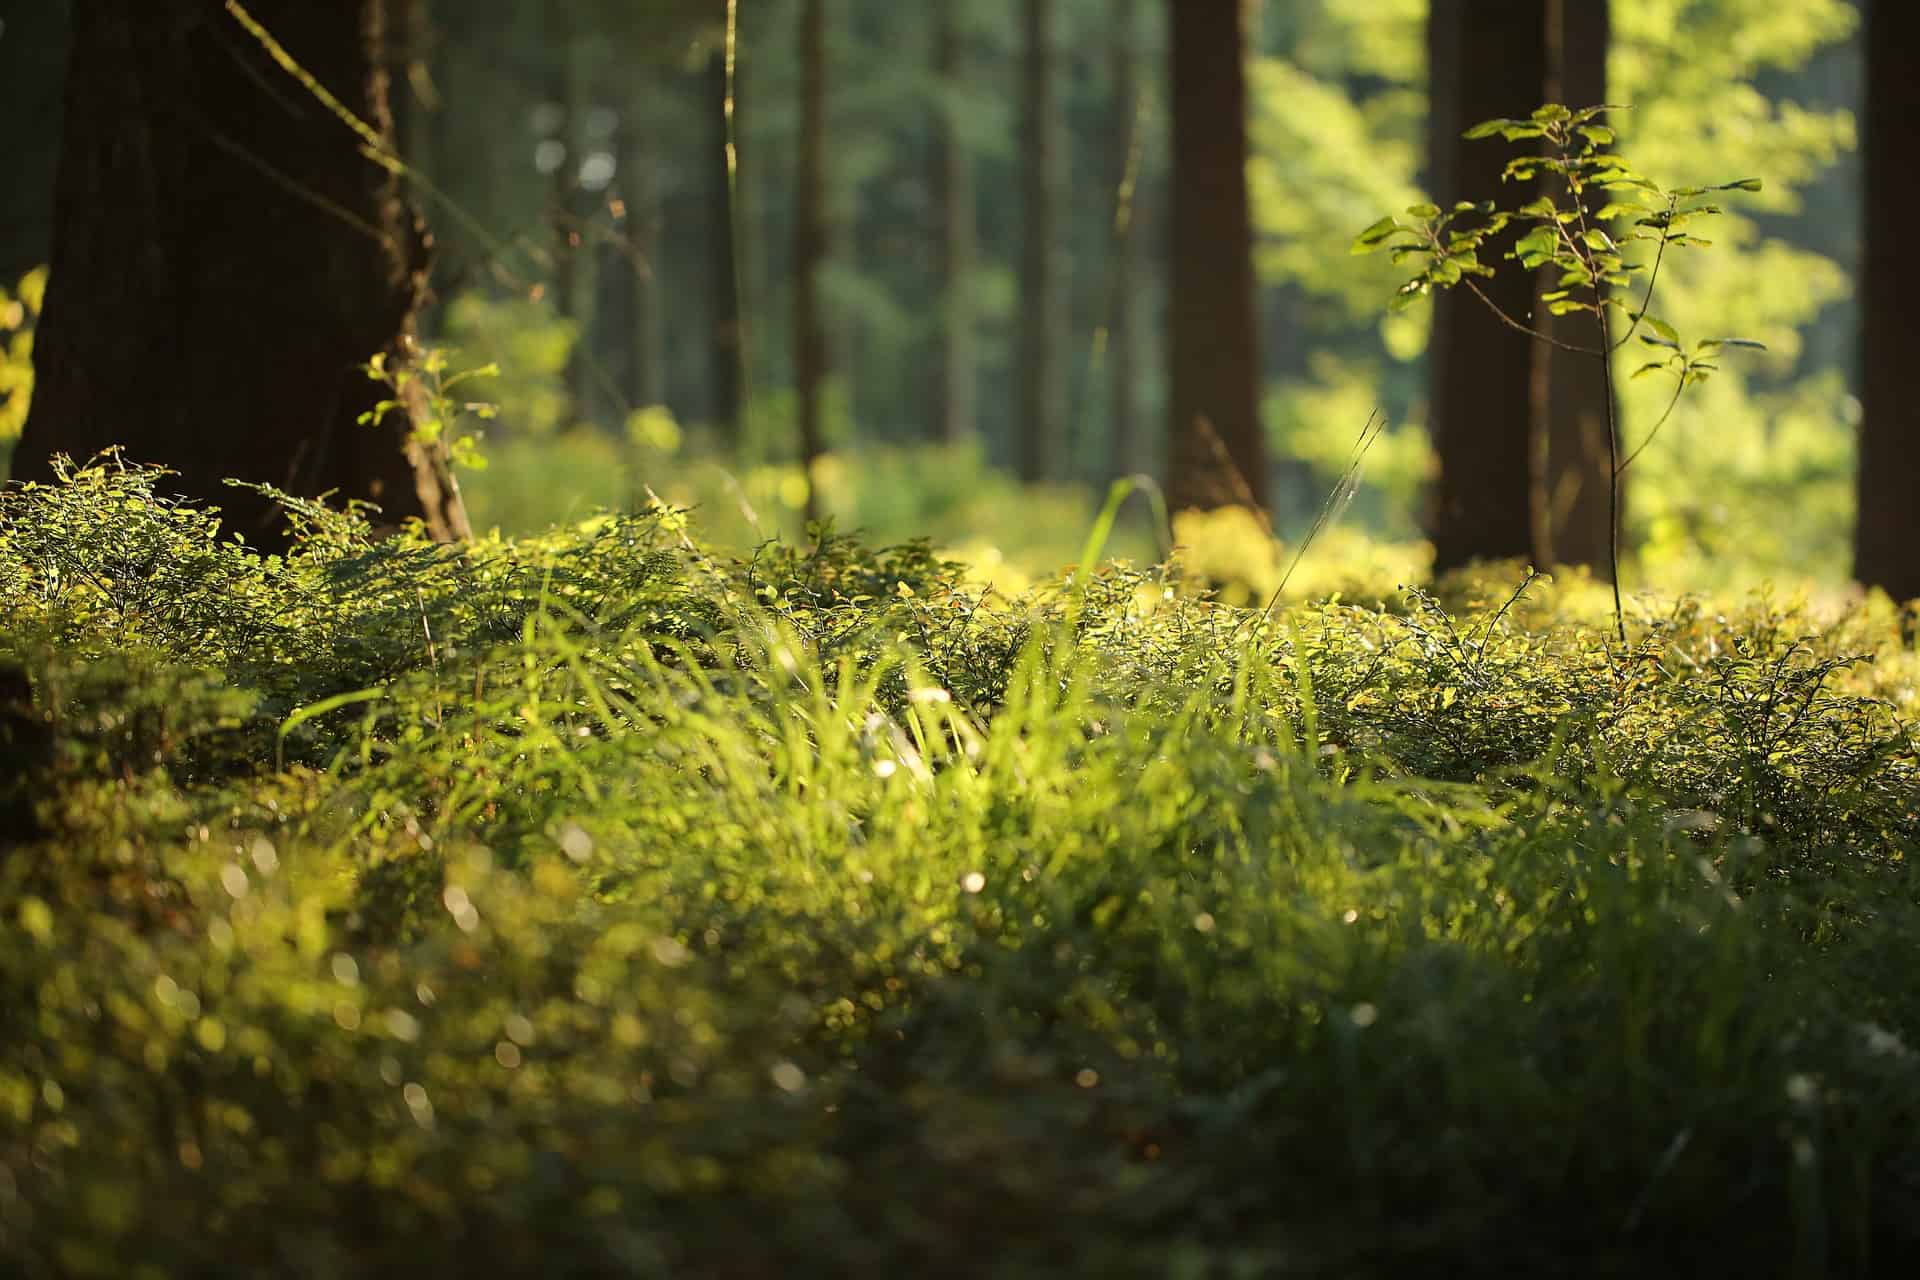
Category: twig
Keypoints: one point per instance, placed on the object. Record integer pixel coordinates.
(1529, 330)
(1646, 300)
(1671, 405)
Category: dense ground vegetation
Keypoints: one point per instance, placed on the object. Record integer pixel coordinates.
(593, 905)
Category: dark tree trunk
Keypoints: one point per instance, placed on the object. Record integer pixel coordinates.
(1570, 392)
(1123, 338)
(1886, 548)
(1217, 456)
(724, 363)
(1486, 58)
(810, 238)
(1042, 426)
(953, 395)
(226, 258)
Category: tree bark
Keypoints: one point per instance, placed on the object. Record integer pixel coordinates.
(225, 260)
(1042, 425)
(1487, 58)
(810, 239)
(1886, 549)
(954, 395)
(1217, 454)
(1570, 392)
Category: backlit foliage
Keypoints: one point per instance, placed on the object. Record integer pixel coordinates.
(19, 310)
(591, 905)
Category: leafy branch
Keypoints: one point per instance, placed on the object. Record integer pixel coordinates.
(1575, 233)
(424, 390)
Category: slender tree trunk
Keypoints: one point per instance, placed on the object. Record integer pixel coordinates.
(635, 159)
(1297, 487)
(1886, 548)
(810, 238)
(1123, 336)
(411, 51)
(1570, 392)
(420, 117)
(1486, 58)
(1042, 426)
(1217, 455)
(724, 351)
(226, 258)
(954, 396)
(566, 92)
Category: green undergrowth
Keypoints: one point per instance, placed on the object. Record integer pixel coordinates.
(592, 905)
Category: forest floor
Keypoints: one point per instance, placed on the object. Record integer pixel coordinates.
(591, 904)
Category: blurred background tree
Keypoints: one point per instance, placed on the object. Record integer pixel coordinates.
(996, 270)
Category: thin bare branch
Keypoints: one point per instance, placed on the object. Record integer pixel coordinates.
(1679, 386)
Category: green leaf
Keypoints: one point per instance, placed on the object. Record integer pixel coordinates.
(1666, 331)
(1487, 129)
(1747, 343)
(1423, 211)
(1653, 366)
(1619, 177)
(1372, 238)
(1538, 240)
(1745, 184)
(1536, 247)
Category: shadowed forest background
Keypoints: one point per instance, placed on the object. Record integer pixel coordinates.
(942, 268)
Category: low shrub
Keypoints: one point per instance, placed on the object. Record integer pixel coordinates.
(595, 904)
